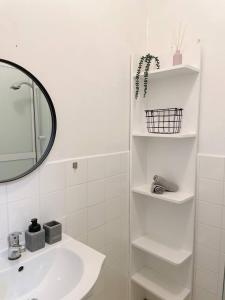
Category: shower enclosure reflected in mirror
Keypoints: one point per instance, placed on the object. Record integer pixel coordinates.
(27, 122)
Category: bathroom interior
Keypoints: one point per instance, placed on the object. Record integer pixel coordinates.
(112, 153)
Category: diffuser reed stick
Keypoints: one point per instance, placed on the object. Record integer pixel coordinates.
(177, 58)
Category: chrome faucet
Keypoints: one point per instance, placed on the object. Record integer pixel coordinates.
(15, 248)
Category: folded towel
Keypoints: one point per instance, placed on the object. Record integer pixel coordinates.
(157, 189)
(168, 185)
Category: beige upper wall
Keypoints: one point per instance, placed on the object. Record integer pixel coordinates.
(80, 50)
(205, 19)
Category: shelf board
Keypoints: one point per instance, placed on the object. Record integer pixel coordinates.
(161, 251)
(173, 71)
(159, 286)
(167, 136)
(173, 197)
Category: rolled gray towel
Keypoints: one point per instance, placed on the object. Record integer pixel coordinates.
(168, 185)
(157, 189)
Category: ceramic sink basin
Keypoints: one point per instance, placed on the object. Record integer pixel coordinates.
(66, 270)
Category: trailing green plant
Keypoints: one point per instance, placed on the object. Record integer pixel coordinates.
(147, 59)
(137, 82)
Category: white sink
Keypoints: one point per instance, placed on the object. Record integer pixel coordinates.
(66, 270)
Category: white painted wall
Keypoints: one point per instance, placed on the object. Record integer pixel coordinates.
(80, 51)
(205, 20)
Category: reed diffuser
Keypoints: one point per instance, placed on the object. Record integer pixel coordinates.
(178, 57)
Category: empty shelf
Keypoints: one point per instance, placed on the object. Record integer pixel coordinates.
(173, 71)
(159, 286)
(177, 197)
(161, 251)
(187, 135)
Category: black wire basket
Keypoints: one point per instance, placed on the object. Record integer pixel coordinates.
(164, 121)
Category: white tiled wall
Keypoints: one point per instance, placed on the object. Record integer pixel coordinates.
(92, 202)
(210, 228)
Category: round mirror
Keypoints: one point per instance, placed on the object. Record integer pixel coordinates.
(27, 122)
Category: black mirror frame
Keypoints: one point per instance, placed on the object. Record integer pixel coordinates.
(53, 116)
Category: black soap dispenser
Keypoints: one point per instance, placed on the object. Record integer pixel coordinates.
(35, 236)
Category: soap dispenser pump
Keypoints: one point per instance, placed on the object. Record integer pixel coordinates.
(35, 236)
(34, 226)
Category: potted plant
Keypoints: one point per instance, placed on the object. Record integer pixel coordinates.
(148, 58)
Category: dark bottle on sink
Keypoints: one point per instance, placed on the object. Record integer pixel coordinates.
(35, 236)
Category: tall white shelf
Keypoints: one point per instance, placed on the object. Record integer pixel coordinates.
(162, 226)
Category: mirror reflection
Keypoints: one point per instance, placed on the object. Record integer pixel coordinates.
(26, 123)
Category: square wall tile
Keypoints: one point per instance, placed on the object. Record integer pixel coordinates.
(21, 212)
(26, 187)
(113, 232)
(52, 177)
(113, 165)
(207, 258)
(125, 206)
(113, 284)
(100, 296)
(207, 279)
(124, 157)
(99, 286)
(210, 191)
(208, 236)
(124, 261)
(96, 238)
(211, 167)
(96, 168)
(210, 214)
(223, 216)
(3, 222)
(4, 244)
(114, 256)
(221, 276)
(113, 187)
(96, 215)
(223, 241)
(3, 194)
(113, 208)
(96, 192)
(125, 184)
(64, 224)
(77, 225)
(203, 294)
(52, 206)
(76, 198)
(76, 176)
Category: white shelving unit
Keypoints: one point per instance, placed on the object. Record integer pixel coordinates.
(159, 286)
(177, 198)
(162, 226)
(186, 135)
(157, 249)
(173, 71)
